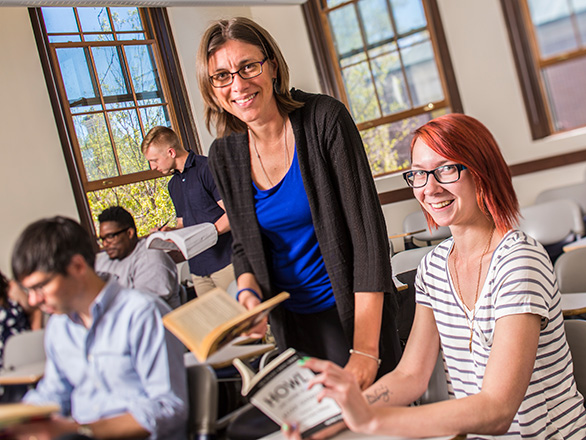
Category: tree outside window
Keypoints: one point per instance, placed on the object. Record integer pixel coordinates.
(386, 69)
(106, 65)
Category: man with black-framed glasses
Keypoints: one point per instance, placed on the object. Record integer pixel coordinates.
(126, 257)
(112, 367)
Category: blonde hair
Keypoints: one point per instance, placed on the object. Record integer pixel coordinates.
(161, 135)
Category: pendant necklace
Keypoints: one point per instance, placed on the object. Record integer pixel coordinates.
(262, 167)
(470, 321)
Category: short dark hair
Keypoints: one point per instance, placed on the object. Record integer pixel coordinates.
(3, 288)
(119, 215)
(48, 245)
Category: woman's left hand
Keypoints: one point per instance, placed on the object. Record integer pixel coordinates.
(363, 369)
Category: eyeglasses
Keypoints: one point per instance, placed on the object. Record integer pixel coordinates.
(443, 174)
(38, 288)
(111, 236)
(249, 71)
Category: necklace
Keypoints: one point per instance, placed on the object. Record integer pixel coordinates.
(470, 321)
(262, 167)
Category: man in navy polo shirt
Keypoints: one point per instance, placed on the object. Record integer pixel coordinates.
(197, 200)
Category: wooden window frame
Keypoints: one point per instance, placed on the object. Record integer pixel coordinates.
(157, 25)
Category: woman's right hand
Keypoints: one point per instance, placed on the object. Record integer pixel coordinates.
(250, 301)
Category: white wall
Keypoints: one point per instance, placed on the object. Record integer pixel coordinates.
(34, 180)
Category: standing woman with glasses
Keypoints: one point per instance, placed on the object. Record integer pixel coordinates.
(305, 215)
(487, 298)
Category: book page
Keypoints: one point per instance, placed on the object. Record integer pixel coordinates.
(160, 243)
(282, 394)
(193, 321)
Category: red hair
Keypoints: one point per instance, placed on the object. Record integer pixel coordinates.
(467, 141)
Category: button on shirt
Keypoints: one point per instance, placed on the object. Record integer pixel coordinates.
(126, 362)
(195, 197)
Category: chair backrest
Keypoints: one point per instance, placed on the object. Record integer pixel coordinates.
(417, 221)
(25, 348)
(576, 192)
(576, 336)
(570, 271)
(552, 222)
(408, 259)
(202, 388)
(437, 389)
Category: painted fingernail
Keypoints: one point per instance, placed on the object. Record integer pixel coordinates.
(303, 360)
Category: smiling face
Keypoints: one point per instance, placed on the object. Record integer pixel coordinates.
(448, 203)
(250, 100)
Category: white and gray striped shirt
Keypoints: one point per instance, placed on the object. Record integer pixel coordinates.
(520, 280)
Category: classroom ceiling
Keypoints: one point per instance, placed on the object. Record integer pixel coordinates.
(147, 3)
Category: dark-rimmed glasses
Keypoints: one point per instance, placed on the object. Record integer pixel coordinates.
(249, 71)
(443, 174)
(111, 236)
(37, 289)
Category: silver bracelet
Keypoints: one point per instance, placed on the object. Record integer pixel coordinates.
(378, 361)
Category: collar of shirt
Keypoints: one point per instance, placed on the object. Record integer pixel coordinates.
(101, 303)
(189, 162)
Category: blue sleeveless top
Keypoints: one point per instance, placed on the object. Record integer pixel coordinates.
(295, 260)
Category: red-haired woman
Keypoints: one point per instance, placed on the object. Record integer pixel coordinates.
(487, 298)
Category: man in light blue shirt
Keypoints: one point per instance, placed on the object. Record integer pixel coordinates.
(111, 365)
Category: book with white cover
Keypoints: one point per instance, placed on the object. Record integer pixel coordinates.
(190, 241)
(280, 391)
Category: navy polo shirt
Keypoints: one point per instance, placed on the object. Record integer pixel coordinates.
(195, 197)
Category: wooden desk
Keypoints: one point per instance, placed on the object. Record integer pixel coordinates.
(25, 375)
(406, 234)
(573, 304)
(347, 435)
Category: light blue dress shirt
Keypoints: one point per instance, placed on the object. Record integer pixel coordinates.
(126, 362)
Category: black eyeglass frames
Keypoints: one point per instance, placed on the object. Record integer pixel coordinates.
(248, 71)
(444, 174)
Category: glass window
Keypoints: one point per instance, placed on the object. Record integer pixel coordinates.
(549, 42)
(112, 91)
(387, 70)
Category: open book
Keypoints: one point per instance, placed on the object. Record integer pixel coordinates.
(190, 241)
(280, 391)
(210, 322)
(15, 413)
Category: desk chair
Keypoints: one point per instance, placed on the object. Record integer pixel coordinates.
(576, 192)
(416, 221)
(437, 389)
(23, 363)
(553, 224)
(570, 271)
(576, 336)
(404, 267)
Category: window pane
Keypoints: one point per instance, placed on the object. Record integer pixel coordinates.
(110, 74)
(361, 93)
(94, 19)
(347, 38)
(153, 116)
(64, 38)
(376, 21)
(129, 37)
(77, 79)
(98, 37)
(409, 15)
(566, 93)
(390, 84)
(388, 146)
(127, 138)
(59, 20)
(147, 201)
(95, 147)
(332, 3)
(126, 19)
(580, 11)
(553, 26)
(144, 74)
(422, 74)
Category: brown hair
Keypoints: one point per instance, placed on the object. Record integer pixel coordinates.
(161, 135)
(467, 141)
(245, 30)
